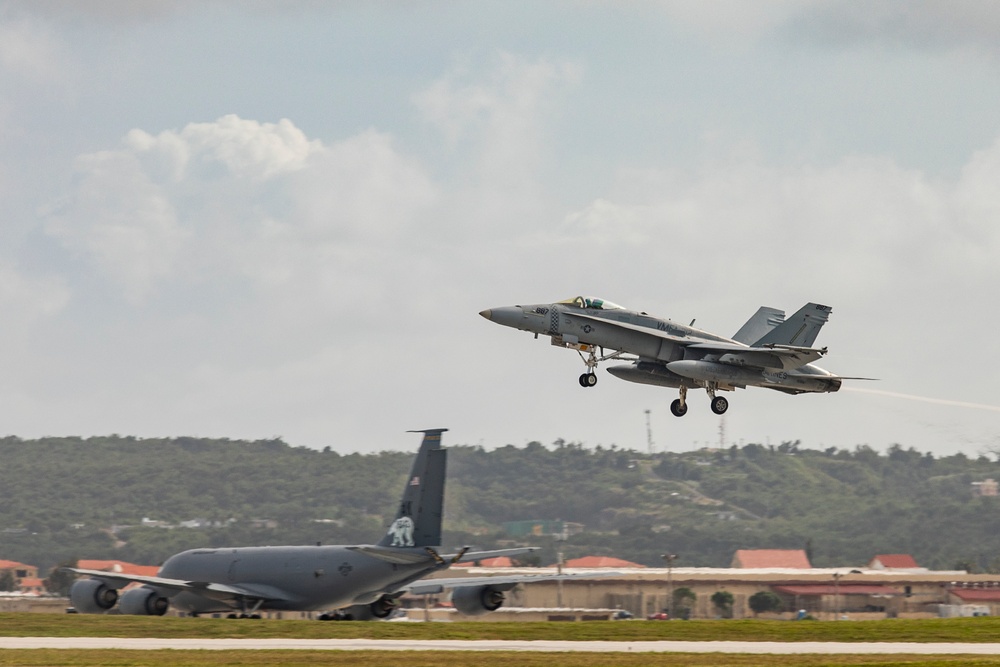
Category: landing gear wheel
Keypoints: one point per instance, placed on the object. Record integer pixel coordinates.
(588, 380)
(719, 405)
(678, 409)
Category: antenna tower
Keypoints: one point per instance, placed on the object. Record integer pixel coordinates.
(722, 432)
(649, 434)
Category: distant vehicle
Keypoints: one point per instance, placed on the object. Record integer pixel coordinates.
(768, 351)
(659, 616)
(358, 582)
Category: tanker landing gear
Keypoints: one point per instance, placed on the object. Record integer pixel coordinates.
(248, 611)
(588, 379)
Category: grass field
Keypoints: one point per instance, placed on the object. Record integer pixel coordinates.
(982, 629)
(94, 658)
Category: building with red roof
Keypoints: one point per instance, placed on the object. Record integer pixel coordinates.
(599, 561)
(771, 558)
(32, 586)
(499, 561)
(975, 594)
(893, 562)
(118, 566)
(19, 570)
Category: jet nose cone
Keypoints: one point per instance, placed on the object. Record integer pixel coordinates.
(508, 316)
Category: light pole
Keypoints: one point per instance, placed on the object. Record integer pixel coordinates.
(669, 559)
(836, 595)
(559, 583)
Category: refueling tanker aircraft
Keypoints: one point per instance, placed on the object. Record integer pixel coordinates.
(360, 582)
(768, 351)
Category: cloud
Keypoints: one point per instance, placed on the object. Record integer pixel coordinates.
(764, 222)
(503, 115)
(280, 283)
(134, 11)
(28, 49)
(24, 300)
(237, 199)
(116, 10)
(722, 21)
(929, 25)
(498, 128)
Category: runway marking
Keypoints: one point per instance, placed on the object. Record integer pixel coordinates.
(784, 648)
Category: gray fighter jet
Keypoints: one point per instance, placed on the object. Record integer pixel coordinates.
(360, 582)
(768, 351)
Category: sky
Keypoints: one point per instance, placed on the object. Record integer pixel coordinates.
(281, 218)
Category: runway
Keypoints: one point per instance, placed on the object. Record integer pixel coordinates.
(777, 648)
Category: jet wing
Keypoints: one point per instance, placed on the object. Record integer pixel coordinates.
(504, 583)
(785, 357)
(208, 589)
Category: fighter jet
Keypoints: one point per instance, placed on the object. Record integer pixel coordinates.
(359, 582)
(768, 351)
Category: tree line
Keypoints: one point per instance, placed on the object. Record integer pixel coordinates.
(69, 498)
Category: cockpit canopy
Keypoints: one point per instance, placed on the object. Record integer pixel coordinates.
(591, 302)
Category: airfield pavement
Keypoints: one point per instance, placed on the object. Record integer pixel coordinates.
(777, 648)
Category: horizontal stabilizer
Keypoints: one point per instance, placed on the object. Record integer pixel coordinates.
(496, 553)
(394, 555)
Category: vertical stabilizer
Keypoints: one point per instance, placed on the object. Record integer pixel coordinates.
(759, 325)
(418, 519)
(800, 329)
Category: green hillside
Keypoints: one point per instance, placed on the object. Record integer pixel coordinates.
(66, 498)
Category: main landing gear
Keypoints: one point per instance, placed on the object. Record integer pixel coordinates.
(248, 610)
(719, 404)
(679, 407)
(588, 379)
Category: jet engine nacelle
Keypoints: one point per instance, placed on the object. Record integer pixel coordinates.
(477, 600)
(92, 596)
(144, 601)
